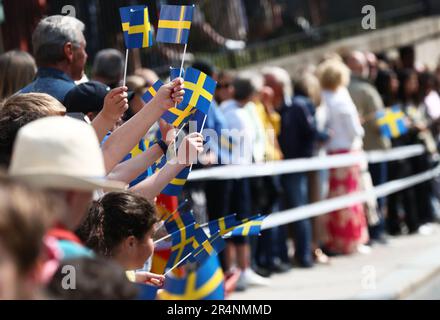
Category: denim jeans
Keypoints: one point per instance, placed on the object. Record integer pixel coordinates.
(295, 189)
(379, 173)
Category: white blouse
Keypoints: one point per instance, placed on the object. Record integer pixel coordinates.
(344, 125)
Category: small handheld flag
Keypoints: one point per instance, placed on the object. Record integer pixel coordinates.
(210, 247)
(392, 122)
(175, 73)
(146, 292)
(174, 188)
(206, 283)
(125, 13)
(174, 24)
(136, 26)
(151, 92)
(179, 221)
(223, 225)
(199, 90)
(182, 245)
(249, 227)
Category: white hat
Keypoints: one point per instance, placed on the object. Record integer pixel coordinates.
(60, 153)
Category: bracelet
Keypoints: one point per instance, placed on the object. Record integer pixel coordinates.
(163, 146)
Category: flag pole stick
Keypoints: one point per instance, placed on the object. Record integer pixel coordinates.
(178, 264)
(175, 105)
(126, 66)
(201, 130)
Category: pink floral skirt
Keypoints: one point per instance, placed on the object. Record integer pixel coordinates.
(345, 229)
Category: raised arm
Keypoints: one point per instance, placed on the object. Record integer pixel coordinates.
(187, 154)
(122, 141)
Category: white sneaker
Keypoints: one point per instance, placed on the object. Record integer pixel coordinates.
(241, 284)
(364, 249)
(426, 229)
(253, 279)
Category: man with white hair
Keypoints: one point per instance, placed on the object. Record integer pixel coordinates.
(60, 52)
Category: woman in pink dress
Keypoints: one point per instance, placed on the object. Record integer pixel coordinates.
(346, 229)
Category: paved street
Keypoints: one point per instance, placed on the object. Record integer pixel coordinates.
(430, 291)
(395, 271)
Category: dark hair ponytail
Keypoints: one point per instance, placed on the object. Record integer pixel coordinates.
(115, 217)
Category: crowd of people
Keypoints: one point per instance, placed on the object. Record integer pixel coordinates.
(73, 195)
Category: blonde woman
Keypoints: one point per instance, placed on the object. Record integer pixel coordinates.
(346, 229)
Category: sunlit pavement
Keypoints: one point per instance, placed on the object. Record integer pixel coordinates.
(398, 270)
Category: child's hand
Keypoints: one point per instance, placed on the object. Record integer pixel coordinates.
(150, 278)
(170, 94)
(115, 104)
(190, 147)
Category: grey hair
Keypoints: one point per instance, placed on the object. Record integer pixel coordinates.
(282, 77)
(51, 34)
(109, 64)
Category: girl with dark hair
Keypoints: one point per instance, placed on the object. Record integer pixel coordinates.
(120, 226)
(387, 85)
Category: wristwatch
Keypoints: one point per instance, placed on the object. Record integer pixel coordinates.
(163, 146)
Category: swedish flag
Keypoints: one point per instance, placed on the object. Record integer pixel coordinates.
(137, 150)
(174, 188)
(151, 92)
(210, 247)
(249, 227)
(182, 244)
(146, 292)
(136, 26)
(179, 221)
(159, 164)
(174, 24)
(223, 225)
(175, 73)
(392, 122)
(179, 115)
(198, 118)
(206, 283)
(199, 90)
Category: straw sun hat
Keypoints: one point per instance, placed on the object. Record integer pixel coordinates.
(60, 153)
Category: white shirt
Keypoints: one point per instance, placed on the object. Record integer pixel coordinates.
(241, 131)
(343, 121)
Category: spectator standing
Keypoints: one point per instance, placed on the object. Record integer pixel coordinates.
(346, 228)
(368, 102)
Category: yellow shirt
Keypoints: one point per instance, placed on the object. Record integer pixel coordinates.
(272, 127)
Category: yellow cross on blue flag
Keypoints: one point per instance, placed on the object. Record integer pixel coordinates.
(179, 221)
(249, 227)
(206, 248)
(182, 244)
(392, 122)
(223, 225)
(151, 92)
(136, 27)
(199, 92)
(174, 24)
(206, 283)
(174, 188)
